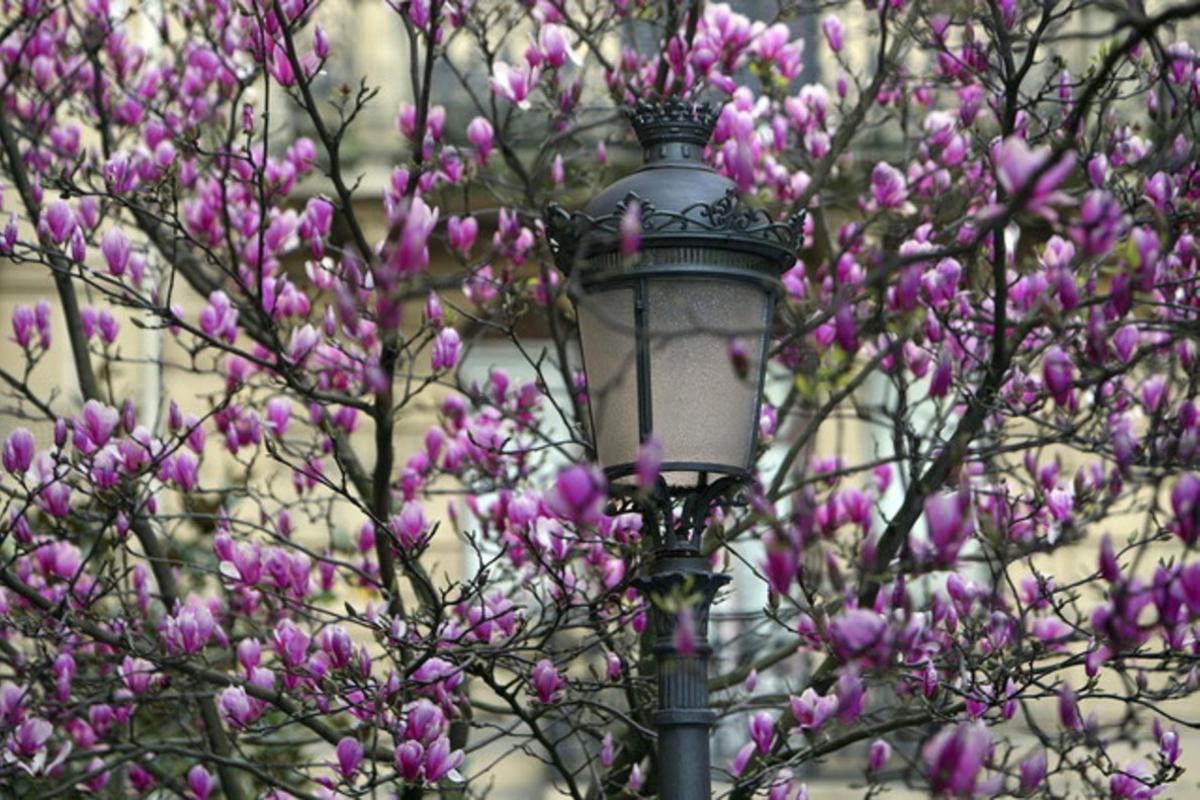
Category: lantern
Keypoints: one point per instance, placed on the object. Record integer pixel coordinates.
(674, 279)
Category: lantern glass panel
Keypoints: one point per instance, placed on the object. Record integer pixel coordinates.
(606, 329)
(704, 411)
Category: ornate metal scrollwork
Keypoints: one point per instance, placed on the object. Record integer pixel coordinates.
(575, 236)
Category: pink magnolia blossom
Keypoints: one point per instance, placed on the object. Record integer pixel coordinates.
(649, 461)
(1035, 173)
(440, 761)
(349, 756)
(1185, 503)
(481, 134)
(878, 754)
(579, 493)
(461, 233)
(1058, 372)
(237, 708)
(955, 758)
(546, 682)
(115, 248)
(834, 32)
(811, 710)
(514, 84)
(1033, 771)
(888, 186)
(58, 221)
(200, 782)
(762, 731)
(446, 349)
(30, 737)
(1068, 709)
(18, 451)
(631, 229)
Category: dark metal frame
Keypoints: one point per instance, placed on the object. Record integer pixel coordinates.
(721, 239)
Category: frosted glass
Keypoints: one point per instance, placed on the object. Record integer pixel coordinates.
(703, 410)
(606, 332)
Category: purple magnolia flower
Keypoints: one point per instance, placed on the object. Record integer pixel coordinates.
(878, 755)
(845, 329)
(950, 525)
(303, 341)
(1101, 223)
(55, 499)
(762, 731)
(219, 318)
(411, 255)
(410, 760)
(1133, 781)
(30, 737)
(1125, 340)
(1033, 771)
(684, 636)
(943, 376)
(1159, 191)
(649, 461)
(1154, 392)
(631, 229)
(1068, 708)
(349, 756)
(1058, 373)
(185, 470)
(189, 630)
(811, 710)
(24, 322)
(859, 633)
(410, 526)
(637, 779)
(888, 186)
(514, 84)
(1185, 502)
(547, 683)
(446, 349)
(851, 693)
(237, 708)
(18, 451)
(291, 643)
(579, 493)
(335, 642)
(834, 32)
(461, 233)
(1169, 746)
(58, 220)
(279, 415)
(738, 765)
(1016, 168)
(955, 757)
(554, 47)
(200, 782)
(1109, 568)
(95, 426)
(440, 761)
(608, 751)
(481, 134)
(115, 249)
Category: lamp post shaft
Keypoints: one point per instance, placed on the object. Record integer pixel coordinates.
(683, 721)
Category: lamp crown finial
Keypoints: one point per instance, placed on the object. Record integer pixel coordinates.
(672, 120)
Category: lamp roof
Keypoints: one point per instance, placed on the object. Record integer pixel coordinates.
(680, 200)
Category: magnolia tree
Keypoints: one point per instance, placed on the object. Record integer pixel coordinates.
(233, 594)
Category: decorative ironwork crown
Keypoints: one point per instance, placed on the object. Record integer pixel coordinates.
(672, 121)
(727, 220)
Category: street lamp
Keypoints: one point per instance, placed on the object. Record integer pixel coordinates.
(674, 336)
